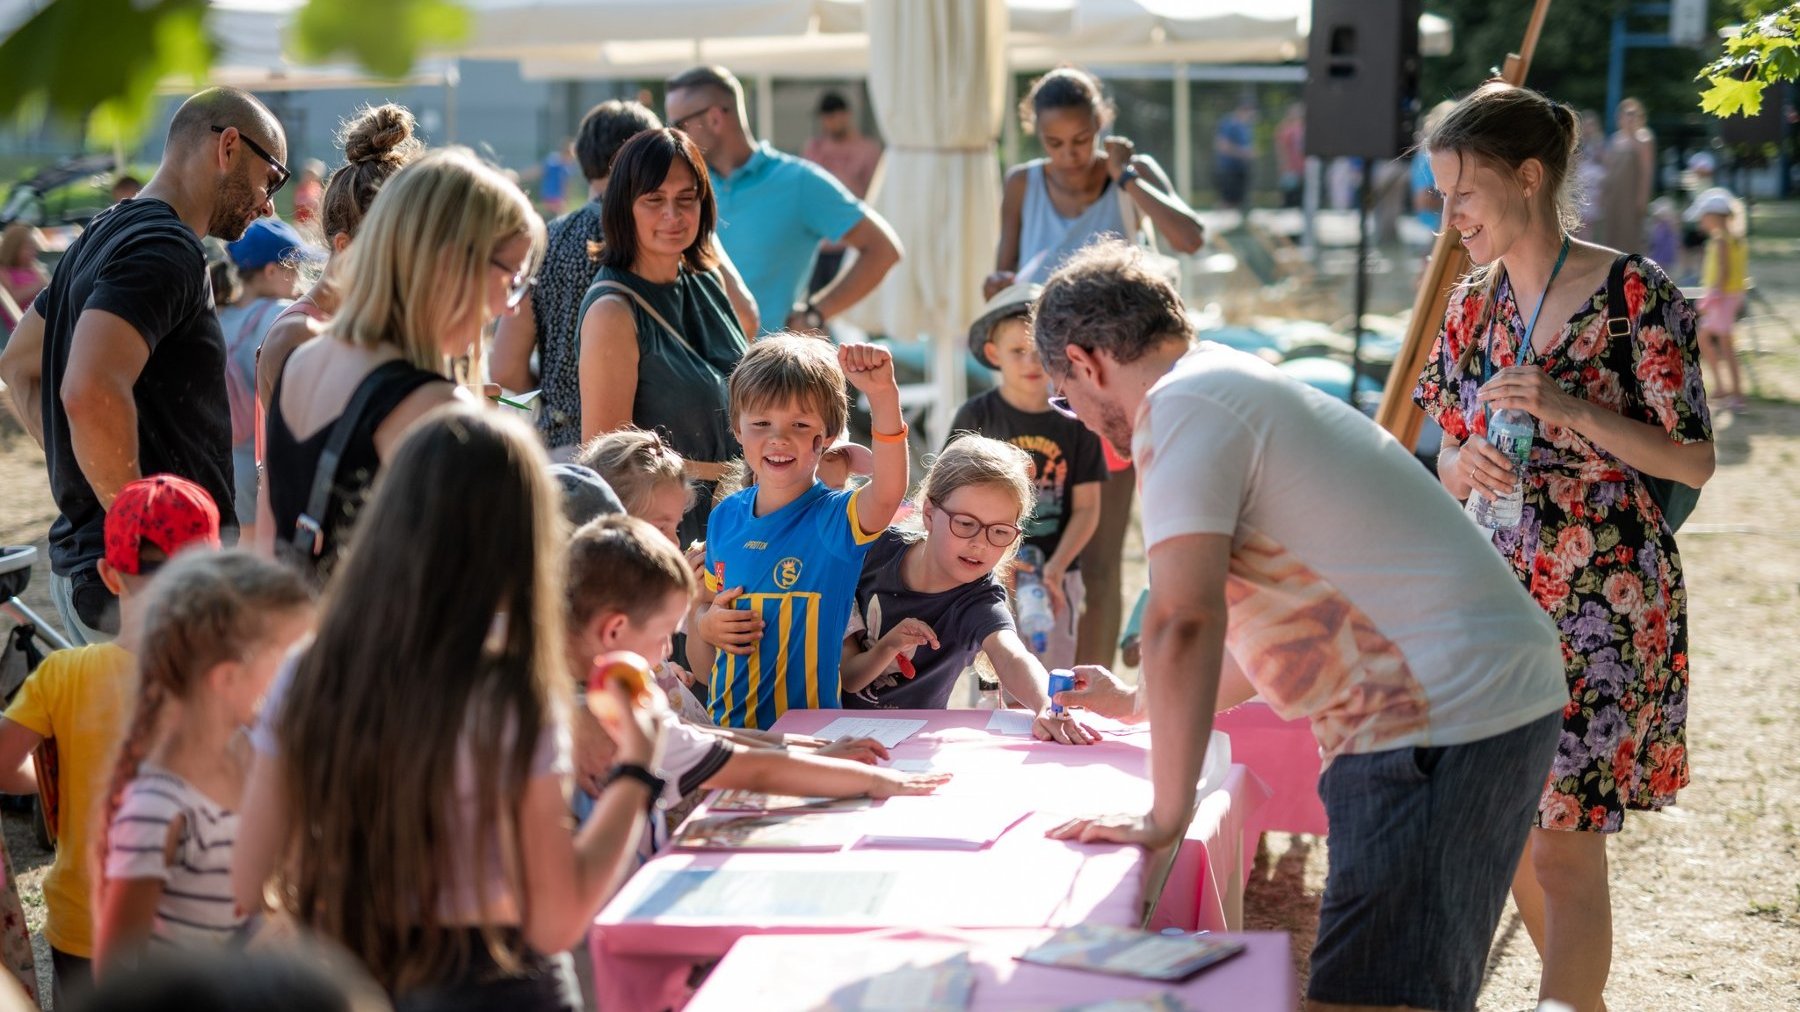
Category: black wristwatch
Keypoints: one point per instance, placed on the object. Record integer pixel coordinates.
(810, 315)
(632, 771)
(1127, 175)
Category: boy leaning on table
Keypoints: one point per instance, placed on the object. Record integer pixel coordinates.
(1287, 533)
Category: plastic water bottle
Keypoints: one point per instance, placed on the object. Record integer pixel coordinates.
(1035, 618)
(1510, 431)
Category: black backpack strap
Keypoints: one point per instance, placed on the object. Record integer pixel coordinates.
(1618, 318)
(309, 527)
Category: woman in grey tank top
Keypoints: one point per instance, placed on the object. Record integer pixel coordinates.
(1090, 185)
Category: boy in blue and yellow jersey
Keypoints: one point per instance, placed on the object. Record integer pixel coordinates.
(783, 556)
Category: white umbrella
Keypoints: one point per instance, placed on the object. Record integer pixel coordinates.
(937, 81)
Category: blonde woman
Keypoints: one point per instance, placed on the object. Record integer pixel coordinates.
(449, 245)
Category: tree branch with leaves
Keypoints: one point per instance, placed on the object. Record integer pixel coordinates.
(1764, 51)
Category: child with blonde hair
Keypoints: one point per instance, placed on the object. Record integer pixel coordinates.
(216, 627)
(928, 603)
(1724, 278)
(783, 556)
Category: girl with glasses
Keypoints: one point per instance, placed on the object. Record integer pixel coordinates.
(928, 603)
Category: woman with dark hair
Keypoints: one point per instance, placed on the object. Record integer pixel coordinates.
(659, 336)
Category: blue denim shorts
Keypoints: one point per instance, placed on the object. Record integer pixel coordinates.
(1423, 846)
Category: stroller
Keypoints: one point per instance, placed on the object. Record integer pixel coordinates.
(20, 654)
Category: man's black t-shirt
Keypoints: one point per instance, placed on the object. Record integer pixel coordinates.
(138, 262)
(1064, 454)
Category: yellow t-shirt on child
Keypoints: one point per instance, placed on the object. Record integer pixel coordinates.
(1727, 265)
(83, 698)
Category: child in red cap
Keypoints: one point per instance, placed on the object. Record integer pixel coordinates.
(78, 702)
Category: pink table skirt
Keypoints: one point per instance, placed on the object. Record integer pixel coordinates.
(775, 973)
(1022, 881)
(1285, 756)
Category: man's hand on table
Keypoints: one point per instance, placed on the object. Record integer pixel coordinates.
(1098, 690)
(1063, 729)
(1142, 830)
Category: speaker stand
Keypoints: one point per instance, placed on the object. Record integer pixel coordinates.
(1362, 277)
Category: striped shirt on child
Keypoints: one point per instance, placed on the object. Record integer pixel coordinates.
(197, 909)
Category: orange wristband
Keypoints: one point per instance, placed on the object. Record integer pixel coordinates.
(898, 437)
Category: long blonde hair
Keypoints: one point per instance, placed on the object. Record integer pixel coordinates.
(636, 462)
(205, 608)
(441, 641)
(973, 459)
(423, 256)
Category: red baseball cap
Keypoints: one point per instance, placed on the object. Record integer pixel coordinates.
(168, 511)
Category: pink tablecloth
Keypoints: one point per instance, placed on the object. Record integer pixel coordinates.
(777, 973)
(1285, 756)
(644, 944)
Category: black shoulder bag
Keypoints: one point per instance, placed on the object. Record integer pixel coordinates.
(1675, 499)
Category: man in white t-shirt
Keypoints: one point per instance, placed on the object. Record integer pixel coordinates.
(1298, 551)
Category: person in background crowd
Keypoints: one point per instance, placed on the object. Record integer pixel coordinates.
(126, 187)
(118, 369)
(267, 260)
(553, 182)
(659, 336)
(774, 209)
(450, 245)
(1724, 278)
(21, 273)
(377, 143)
(309, 192)
(1290, 154)
(1234, 153)
(549, 320)
(1630, 180)
(1608, 367)
(1089, 184)
(1432, 681)
(842, 150)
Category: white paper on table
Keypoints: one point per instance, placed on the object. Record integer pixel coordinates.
(1011, 722)
(886, 730)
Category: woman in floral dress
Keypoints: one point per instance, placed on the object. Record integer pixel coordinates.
(1612, 403)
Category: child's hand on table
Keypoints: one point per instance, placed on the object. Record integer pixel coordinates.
(889, 784)
(858, 750)
(1063, 729)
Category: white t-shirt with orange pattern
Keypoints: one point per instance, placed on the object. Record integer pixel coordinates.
(1360, 594)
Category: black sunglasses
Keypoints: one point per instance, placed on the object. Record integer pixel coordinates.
(282, 173)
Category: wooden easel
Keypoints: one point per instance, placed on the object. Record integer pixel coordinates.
(1398, 414)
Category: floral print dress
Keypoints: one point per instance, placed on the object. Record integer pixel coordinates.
(1592, 546)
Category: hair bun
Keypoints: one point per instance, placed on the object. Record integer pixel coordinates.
(382, 133)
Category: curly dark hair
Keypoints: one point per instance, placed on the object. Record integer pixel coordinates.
(1106, 298)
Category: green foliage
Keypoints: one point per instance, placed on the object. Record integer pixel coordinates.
(1764, 52)
(98, 64)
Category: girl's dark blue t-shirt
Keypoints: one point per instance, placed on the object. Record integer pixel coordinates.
(962, 618)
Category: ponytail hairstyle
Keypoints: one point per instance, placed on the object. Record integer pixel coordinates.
(377, 143)
(439, 649)
(1503, 126)
(973, 459)
(205, 608)
(1066, 87)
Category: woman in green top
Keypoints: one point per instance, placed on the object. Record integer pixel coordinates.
(659, 336)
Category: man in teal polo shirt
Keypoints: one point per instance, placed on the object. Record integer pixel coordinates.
(775, 209)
